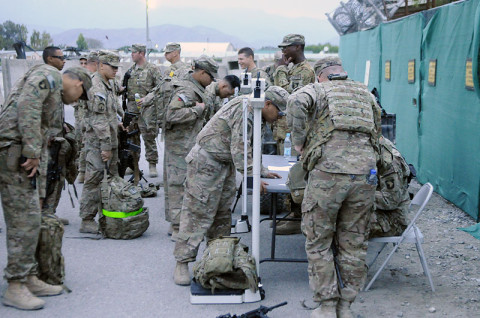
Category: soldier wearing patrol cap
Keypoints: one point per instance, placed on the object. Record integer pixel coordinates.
(184, 119)
(339, 152)
(210, 180)
(101, 142)
(172, 54)
(30, 113)
(291, 77)
(144, 76)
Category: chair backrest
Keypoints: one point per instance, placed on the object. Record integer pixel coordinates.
(421, 199)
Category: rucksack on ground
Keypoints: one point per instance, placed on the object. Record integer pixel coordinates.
(51, 265)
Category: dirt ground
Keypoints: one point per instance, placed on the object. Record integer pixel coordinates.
(453, 257)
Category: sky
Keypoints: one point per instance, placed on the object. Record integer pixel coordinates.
(227, 16)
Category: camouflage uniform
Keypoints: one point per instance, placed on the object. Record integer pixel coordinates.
(391, 198)
(184, 120)
(101, 134)
(290, 78)
(179, 68)
(254, 71)
(80, 110)
(210, 182)
(24, 125)
(142, 81)
(339, 152)
(213, 102)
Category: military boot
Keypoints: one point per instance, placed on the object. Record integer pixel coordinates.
(328, 309)
(89, 226)
(19, 296)
(152, 171)
(181, 276)
(170, 230)
(175, 229)
(288, 228)
(343, 309)
(81, 177)
(40, 288)
(64, 221)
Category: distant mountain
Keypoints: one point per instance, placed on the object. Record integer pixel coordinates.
(115, 38)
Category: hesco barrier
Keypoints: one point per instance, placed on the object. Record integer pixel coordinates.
(426, 67)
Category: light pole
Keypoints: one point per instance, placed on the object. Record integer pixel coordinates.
(148, 35)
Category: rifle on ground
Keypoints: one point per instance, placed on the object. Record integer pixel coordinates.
(54, 170)
(260, 312)
(126, 77)
(126, 147)
(337, 269)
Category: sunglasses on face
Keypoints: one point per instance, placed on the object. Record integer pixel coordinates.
(61, 58)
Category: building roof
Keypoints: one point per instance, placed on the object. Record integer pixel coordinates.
(216, 49)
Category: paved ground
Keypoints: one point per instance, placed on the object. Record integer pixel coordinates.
(110, 278)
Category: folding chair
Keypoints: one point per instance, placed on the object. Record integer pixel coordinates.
(411, 234)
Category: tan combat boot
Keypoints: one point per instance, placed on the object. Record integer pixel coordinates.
(288, 228)
(19, 296)
(343, 309)
(181, 276)
(170, 230)
(152, 170)
(89, 226)
(40, 288)
(81, 177)
(328, 309)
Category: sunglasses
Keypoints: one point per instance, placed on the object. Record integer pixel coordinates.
(114, 67)
(62, 58)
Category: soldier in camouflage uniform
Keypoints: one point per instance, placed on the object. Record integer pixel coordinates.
(101, 135)
(391, 197)
(216, 92)
(339, 152)
(80, 113)
(270, 69)
(184, 119)
(210, 183)
(177, 68)
(246, 62)
(144, 76)
(25, 123)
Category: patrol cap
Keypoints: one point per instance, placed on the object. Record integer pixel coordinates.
(171, 47)
(84, 76)
(108, 57)
(92, 56)
(292, 39)
(278, 96)
(83, 57)
(325, 62)
(138, 48)
(207, 64)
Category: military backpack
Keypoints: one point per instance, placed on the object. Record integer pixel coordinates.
(123, 214)
(226, 265)
(51, 266)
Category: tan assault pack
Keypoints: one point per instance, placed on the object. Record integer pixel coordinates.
(51, 266)
(226, 265)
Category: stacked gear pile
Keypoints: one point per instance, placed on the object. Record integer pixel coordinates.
(226, 264)
(124, 216)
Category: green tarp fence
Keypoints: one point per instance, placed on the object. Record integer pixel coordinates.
(438, 117)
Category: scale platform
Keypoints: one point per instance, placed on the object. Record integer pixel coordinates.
(200, 295)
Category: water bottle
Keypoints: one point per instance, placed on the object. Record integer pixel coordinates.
(287, 147)
(372, 177)
(137, 99)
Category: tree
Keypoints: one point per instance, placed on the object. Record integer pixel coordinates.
(10, 33)
(94, 43)
(35, 41)
(321, 47)
(46, 40)
(81, 43)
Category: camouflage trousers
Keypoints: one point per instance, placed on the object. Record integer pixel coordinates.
(336, 208)
(147, 124)
(91, 199)
(209, 192)
(21, 210)
(387, 223)
(79, 132)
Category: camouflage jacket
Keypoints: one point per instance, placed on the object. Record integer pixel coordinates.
(176, 69)
(222, 136)
(291, 78)
(350, 148)
(213, 102)
(270, 70)
(392, 190)
(30, 110)
(183, 118)
(263, 74)
(101, 128)
(143, 80)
